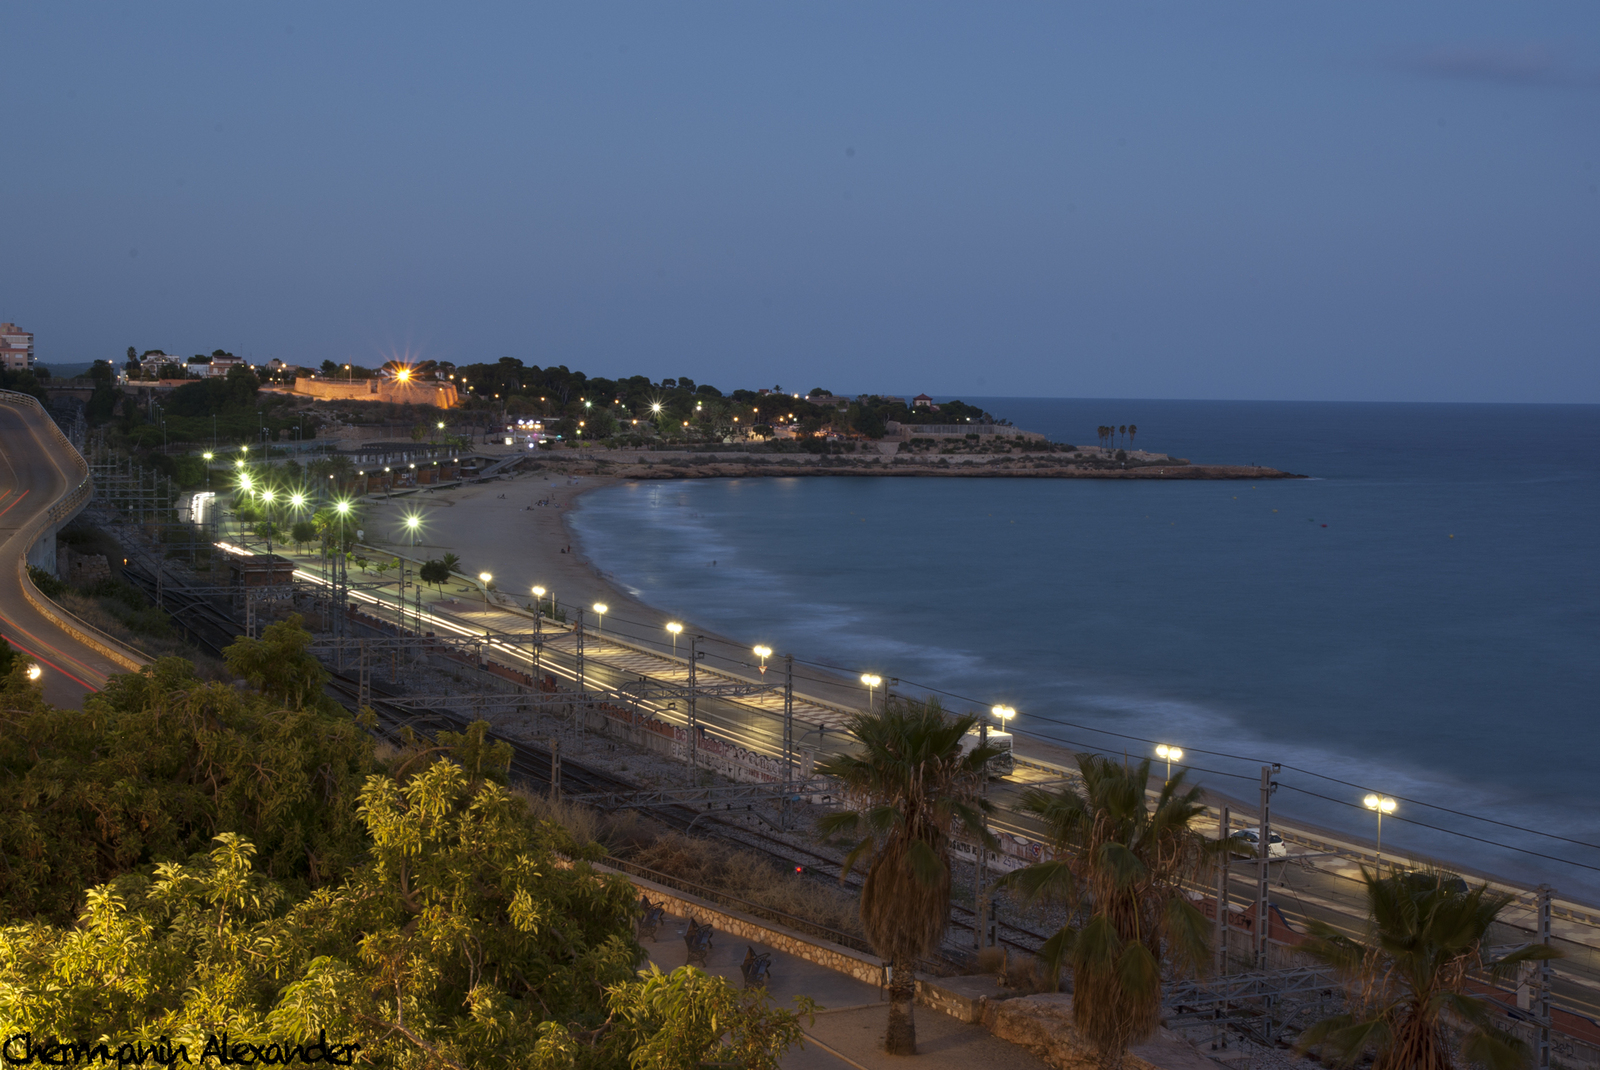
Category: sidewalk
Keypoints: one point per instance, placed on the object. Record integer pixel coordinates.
(848, 1032)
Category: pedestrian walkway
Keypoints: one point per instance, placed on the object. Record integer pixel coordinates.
(848, 1031)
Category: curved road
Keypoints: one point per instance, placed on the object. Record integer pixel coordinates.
(34, 476)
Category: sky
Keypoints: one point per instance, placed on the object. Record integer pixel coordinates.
(1353, 201)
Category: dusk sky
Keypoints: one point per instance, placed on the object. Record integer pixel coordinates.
(1246, 200)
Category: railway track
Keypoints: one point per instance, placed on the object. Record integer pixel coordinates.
(211, 627)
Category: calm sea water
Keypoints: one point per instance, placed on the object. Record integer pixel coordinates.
(1422, 617)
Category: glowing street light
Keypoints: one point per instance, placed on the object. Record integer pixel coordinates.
(485, 578)
(208, 455)
(763, 652)
(1171, 754)
(675, 628)
(538, 593)
(412, 522)
(297, 500)
(34, 672)
(404, 375)
(1381, 804)
(600, 609)
(871, 681)
(1004, 713)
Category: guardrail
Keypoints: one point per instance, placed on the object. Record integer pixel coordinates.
(60, 511)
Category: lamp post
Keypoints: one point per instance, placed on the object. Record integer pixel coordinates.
(484, 577)
(1171, 754)
(538, 616)
(412, 522)
(763, 652)
(1379, 804)
(600, 609)
(208, 455)
(675, 628)
(1004, 713)
(871, 681)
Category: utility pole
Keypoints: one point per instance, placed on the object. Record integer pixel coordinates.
(577, 631)
(788, 718)
(1543, 1014)
(1264, 864)
(1220, 955)
(694, 663)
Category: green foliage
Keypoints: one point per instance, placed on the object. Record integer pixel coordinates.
(47, 583)
(280, 664)
(1410, 974)
(434, 572)
(1121, 862)
(303, 531)
(151, 768)
(463, 940)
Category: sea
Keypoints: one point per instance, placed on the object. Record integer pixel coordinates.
(1419, 617)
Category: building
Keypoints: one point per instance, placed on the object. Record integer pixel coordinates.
(922, 401)
(16, 348)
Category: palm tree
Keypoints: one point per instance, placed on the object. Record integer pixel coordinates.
(1409, 975)
(915, 786)
(1123, 430)
(1133, 431)
(1120, 860)
(451, 562)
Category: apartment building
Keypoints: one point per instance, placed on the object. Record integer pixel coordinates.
(16, 348)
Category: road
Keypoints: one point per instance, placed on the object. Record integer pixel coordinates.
(36, 472)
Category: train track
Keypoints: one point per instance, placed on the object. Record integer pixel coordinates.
(210, 627)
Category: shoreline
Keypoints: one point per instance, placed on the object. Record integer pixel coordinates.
(501, 530)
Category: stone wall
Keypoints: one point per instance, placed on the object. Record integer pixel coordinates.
(439, 395)
(855, 964)
(1043, 1025)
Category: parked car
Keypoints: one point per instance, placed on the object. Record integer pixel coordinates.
(1248, 842)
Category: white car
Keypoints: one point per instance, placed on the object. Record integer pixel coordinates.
(1248, 842)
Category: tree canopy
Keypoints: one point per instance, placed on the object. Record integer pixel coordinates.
(184, 858)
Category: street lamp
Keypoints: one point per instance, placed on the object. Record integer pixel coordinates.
(297, 500)
(871, 681)
(763, 652)
(485, 577)
(1171, 754)
(1004, 713)
(34, 672)
(1381, 804)
(600, 610)
(208, 455)
(411, 526)
(675, 628)
(538, 620)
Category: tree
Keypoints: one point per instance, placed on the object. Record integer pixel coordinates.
(1409, 977)
(1122, 429)
(280, 664)
(1120, 862)
(434, 572)
(452, 563)
(1133, 430)
(917, 788)
(461, 940)
(304, 531)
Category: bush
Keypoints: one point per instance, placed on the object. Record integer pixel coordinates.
(47, 583)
